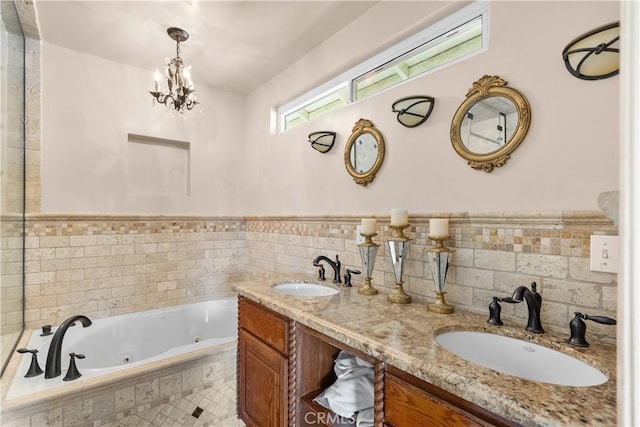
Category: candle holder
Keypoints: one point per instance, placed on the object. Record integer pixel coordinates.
(368, 250)
(398, 250)
(439, 259)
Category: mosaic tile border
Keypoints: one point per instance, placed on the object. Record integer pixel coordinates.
(552, 233)
(81, 225)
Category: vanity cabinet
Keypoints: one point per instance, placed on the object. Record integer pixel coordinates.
(283, 366)
(263, 365)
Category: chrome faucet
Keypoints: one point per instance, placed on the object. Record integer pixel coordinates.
(336, 265)
(534, 303)
(53, 367)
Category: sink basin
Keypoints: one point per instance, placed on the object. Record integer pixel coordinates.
(302, 289)
(520, 358)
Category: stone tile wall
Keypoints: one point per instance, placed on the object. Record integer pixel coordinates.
(103, 266)
(495, 253)
(33, 127)
(11, 277)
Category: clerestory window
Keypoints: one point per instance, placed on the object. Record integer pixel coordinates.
(455, 38)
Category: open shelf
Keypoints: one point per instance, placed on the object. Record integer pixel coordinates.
(316, 354)
(313, 414)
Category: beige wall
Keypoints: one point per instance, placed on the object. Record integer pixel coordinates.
(569, 156)
(84, 139)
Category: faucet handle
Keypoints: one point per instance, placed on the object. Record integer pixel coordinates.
(347, 277)
(34, 368)
(494, 312)
(72, 372)
(600, 319)
(578, 328)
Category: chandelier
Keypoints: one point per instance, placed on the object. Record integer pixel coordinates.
(178, 92)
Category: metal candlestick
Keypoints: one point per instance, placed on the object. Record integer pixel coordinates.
(398, 250)
(439, 259)
(368, 250)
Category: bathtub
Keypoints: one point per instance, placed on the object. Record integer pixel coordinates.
(128, 342)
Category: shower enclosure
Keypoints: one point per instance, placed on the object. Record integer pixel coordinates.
(12, 179)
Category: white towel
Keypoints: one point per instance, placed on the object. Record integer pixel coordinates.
(353, 389)
(365, 418)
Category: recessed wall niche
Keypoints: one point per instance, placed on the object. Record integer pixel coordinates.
(158, 167)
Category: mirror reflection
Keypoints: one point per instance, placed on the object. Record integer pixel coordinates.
(489, 124)
(364, 152)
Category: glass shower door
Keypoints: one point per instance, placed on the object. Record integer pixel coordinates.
(12, 156)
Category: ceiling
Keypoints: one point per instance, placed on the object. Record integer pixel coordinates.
(234, 45)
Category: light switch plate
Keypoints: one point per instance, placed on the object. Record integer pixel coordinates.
(605, 253)
(359, 237)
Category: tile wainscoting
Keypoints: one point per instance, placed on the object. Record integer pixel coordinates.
(108, 265)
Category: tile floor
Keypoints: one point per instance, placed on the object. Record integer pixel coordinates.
(218, 409)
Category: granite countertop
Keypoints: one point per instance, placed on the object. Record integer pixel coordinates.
(403, 336)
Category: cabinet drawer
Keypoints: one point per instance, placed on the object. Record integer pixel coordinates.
(407, 405)
(269, 326)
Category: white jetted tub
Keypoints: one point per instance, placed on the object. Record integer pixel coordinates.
(128, 341)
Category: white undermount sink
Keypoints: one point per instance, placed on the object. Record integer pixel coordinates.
(303, 289)
(520, 358)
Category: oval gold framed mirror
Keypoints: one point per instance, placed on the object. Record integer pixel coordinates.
(490, 124)
(364, 152)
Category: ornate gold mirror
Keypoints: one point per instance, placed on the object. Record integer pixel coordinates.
(490, 124)
(364, 152)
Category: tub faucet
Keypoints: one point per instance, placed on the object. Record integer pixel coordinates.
(534, 303)
(333, 264)
(53, 367)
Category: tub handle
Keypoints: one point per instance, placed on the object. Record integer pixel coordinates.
(73, 372)
(34, 368)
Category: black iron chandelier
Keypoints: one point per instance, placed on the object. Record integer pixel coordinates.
(178, 94)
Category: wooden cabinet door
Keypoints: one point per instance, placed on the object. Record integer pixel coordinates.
(262, 383)
(409, 401)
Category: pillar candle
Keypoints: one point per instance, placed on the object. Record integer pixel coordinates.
(368, 226)
(399, 217)
(156, 77)
(439, 227)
